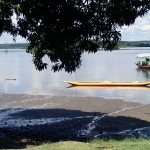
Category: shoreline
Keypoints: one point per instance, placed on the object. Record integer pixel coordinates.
(59, 118)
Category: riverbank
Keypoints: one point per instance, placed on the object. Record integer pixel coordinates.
(34, 119)
(111, 144)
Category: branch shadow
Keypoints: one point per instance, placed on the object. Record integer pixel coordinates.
(21, 127)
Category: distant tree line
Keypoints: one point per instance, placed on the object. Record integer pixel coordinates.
(143, 45)
(134, 44)
(120, 44)
(14, 46)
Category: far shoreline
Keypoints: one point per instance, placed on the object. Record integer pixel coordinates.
(121, 44)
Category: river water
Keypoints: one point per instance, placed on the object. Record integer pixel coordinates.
(118, 65)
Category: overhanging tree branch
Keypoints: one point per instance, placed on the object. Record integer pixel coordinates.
(64, 29)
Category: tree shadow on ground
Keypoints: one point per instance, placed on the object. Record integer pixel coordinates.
(22, 127)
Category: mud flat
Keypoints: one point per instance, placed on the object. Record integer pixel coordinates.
(71, 118)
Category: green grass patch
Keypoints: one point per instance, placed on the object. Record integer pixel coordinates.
(97, 144)
(69, 145)
(123, 144)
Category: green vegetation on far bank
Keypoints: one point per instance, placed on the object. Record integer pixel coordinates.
(14, 46)
(134, 44)
(121, 44)
(126, 144)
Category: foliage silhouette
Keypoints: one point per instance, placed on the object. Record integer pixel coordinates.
(64, 29)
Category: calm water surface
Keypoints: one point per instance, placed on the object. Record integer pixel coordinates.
(103, 66)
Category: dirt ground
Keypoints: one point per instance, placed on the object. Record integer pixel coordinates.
(31, 119)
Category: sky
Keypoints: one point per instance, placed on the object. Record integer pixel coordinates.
(139, 31)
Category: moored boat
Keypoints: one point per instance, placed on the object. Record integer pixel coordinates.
(143, 60)
(110, 87)
(108, 83)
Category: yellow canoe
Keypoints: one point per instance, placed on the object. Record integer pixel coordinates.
(108, 83)
(110, 87)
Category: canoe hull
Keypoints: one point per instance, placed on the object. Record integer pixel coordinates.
(143, 66)
(107, 83)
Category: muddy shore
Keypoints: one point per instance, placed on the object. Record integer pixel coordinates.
(41, 118)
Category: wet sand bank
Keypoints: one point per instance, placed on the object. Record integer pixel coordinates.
(71, 118)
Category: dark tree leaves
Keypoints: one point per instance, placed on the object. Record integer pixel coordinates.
(64, 29)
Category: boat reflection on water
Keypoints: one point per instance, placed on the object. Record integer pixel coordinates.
(144, 72)
(111, 87)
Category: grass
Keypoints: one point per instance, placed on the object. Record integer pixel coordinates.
(69, 145)
(97, 144)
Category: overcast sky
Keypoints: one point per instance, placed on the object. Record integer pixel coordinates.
(138, 32)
